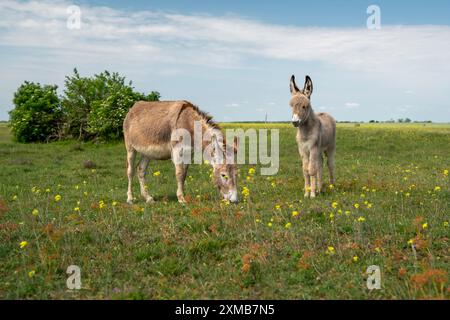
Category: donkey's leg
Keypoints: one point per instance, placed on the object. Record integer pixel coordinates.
(142, 172)
(305, 165)
(312, 170)
(180, 172)
(131, 154)
(320, 174)
(330, 164)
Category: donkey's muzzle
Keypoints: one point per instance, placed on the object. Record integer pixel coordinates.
(296, 120)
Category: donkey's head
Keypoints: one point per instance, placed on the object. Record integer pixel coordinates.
(224, 173)
(300, 101)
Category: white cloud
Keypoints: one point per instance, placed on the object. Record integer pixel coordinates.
(223, 42)
(352, 105)
(232, 105)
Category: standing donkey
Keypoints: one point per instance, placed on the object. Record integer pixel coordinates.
(316, 134)
(148, 129)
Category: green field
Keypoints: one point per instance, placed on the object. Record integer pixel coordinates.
(389, 207)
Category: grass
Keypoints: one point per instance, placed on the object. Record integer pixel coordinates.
(394, 174)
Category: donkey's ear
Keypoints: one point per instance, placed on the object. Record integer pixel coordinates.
(308, 89)
(217, 153)
(293, 86)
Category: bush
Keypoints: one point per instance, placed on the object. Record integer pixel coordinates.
(37, 113)
(96, 107)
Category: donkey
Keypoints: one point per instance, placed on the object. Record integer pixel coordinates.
(149, 128)
(316, 134)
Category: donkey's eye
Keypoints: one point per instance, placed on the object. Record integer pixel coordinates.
(304, 107)
(224, 175)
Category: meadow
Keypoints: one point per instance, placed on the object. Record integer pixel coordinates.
(389, 207)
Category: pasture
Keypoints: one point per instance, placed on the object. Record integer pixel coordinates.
(389, 207)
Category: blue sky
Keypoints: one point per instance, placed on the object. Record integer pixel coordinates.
(234, 58)
(302, 13)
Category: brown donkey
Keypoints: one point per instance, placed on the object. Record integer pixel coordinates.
(149, 128)
(316, 135)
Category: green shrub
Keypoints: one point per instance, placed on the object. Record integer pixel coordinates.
(96, 107)
(37, 113)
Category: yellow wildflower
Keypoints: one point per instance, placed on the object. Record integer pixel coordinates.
(114, 203)
(288, 225)
(425, 225)
(35, 212)
(330, 250)
(14, 197)
(57, 197)
(294, 213)
(356, 205)
(157, 173)
(377, 249)
(31, 273)
(334, 205)
(361, 219)
(437, 188)
(245, 192)
(76, 209)
(101, 204)
(269, 224)
(355, 258)
(446, 172)
(23, 244)
(251, 171)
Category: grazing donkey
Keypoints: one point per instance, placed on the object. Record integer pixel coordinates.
(148, 129)
(316, 135)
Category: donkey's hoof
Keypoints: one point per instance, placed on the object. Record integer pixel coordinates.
(130, 201)
(182, 200)
(306, 195)
(150, 200)
(312, 195)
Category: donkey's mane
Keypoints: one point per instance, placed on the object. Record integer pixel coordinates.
(204, 115)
